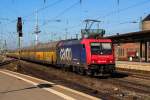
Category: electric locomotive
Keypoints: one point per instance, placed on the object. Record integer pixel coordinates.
(87, 56)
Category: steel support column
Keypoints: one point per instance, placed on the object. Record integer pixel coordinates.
(146, 51)
(141, 51)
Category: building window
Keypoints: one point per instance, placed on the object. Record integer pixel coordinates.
(121, 52)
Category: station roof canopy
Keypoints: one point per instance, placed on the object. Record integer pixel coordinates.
(147, 18)
(140, 36)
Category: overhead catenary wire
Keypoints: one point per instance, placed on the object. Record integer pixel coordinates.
(119, 10)
(107, 15)
(50, 5)
(40, 9)
(118, 2)
(124, 9)
(64, 11)
(80, 1)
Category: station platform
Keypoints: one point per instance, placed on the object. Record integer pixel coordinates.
(16, 86)
(138, 66)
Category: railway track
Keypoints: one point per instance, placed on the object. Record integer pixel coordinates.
(141, 76)
(136, 87)
(8, 61)
(136, 75)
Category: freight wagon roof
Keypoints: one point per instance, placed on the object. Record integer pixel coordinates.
(46, 46)
(42, 46)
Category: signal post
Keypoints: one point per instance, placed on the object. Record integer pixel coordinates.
(20, 34)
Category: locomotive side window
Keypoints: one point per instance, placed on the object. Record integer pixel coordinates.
(101, 48)
(83, 46)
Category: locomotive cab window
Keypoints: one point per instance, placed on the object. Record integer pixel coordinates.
(101, 48)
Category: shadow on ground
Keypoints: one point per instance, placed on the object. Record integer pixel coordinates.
(119, 75)
(28, 88)
(113, 75)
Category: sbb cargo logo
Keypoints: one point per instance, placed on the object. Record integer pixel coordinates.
(66, 54)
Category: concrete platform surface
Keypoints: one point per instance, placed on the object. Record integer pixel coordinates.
(133, 65)
(16, 86)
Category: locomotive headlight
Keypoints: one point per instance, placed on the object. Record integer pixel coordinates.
(93, 61)
(110, 61)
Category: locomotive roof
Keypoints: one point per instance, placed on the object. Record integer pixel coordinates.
(75, 41)
(68, 42)
(97, 40)
(49, 45)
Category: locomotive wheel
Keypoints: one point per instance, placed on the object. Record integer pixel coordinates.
(71, 68)
(74, 69)
(89, 72)
(82, 71)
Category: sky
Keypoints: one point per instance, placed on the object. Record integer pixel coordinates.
(60, 19)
